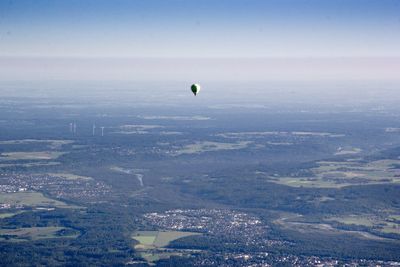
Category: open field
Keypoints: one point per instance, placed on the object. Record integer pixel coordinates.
(390, 228)
(136, 129)
(376, 223)
(176, 118)
(41, 155)
(151, 244)
(53, 144)
(348, 151)
(159, 239)
(9, 214)
(147, 240)
(154, 256)
(30, 199)
(291, 222)
(355, 219)
(278, 133)
(207, 146)
(36, 233)
(30, 164)
(331, 174)
(394, 217)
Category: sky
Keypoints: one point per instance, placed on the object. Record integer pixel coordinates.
(61, 35)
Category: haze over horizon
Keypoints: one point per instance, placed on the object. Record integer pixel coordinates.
(200, 40)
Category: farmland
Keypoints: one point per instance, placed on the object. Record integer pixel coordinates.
(336, 174)
(40, 155)
(159, 239)
(379, 224)
(52, 144)
(207, 146)
(36, 233)
(152, 244)
(30, 199)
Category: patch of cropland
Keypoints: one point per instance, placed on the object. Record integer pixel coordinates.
(297, 223)
(52, 144)
(152, 244)
(336, 174)
(176, 118)
(36, 233)
(286, 135)
(42, 155)
(29, 165)
(207, 146)
(385, 225)
(137, 129)
(21, 200)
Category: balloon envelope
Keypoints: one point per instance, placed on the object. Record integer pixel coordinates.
(195, 88)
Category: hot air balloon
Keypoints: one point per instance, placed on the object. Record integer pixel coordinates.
(195, 88)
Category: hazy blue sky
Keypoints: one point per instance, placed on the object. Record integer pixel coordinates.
(203, 28)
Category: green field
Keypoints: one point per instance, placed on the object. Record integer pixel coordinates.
(36, 233)
(354, 219)
(30, 164)
(9, 214)
(206, 146)
(378, 224)
(298, 223)
(31, 199)
(278, 133)
(40, 155)
(159, 239)
(391, 228)
(332, 174)
(147, 240)
(395, 217)
(152, 244)
(154, 256)
(53, 144)
(348, 151)
(136, 129)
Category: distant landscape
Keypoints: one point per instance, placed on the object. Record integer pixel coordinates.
(185, 183)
